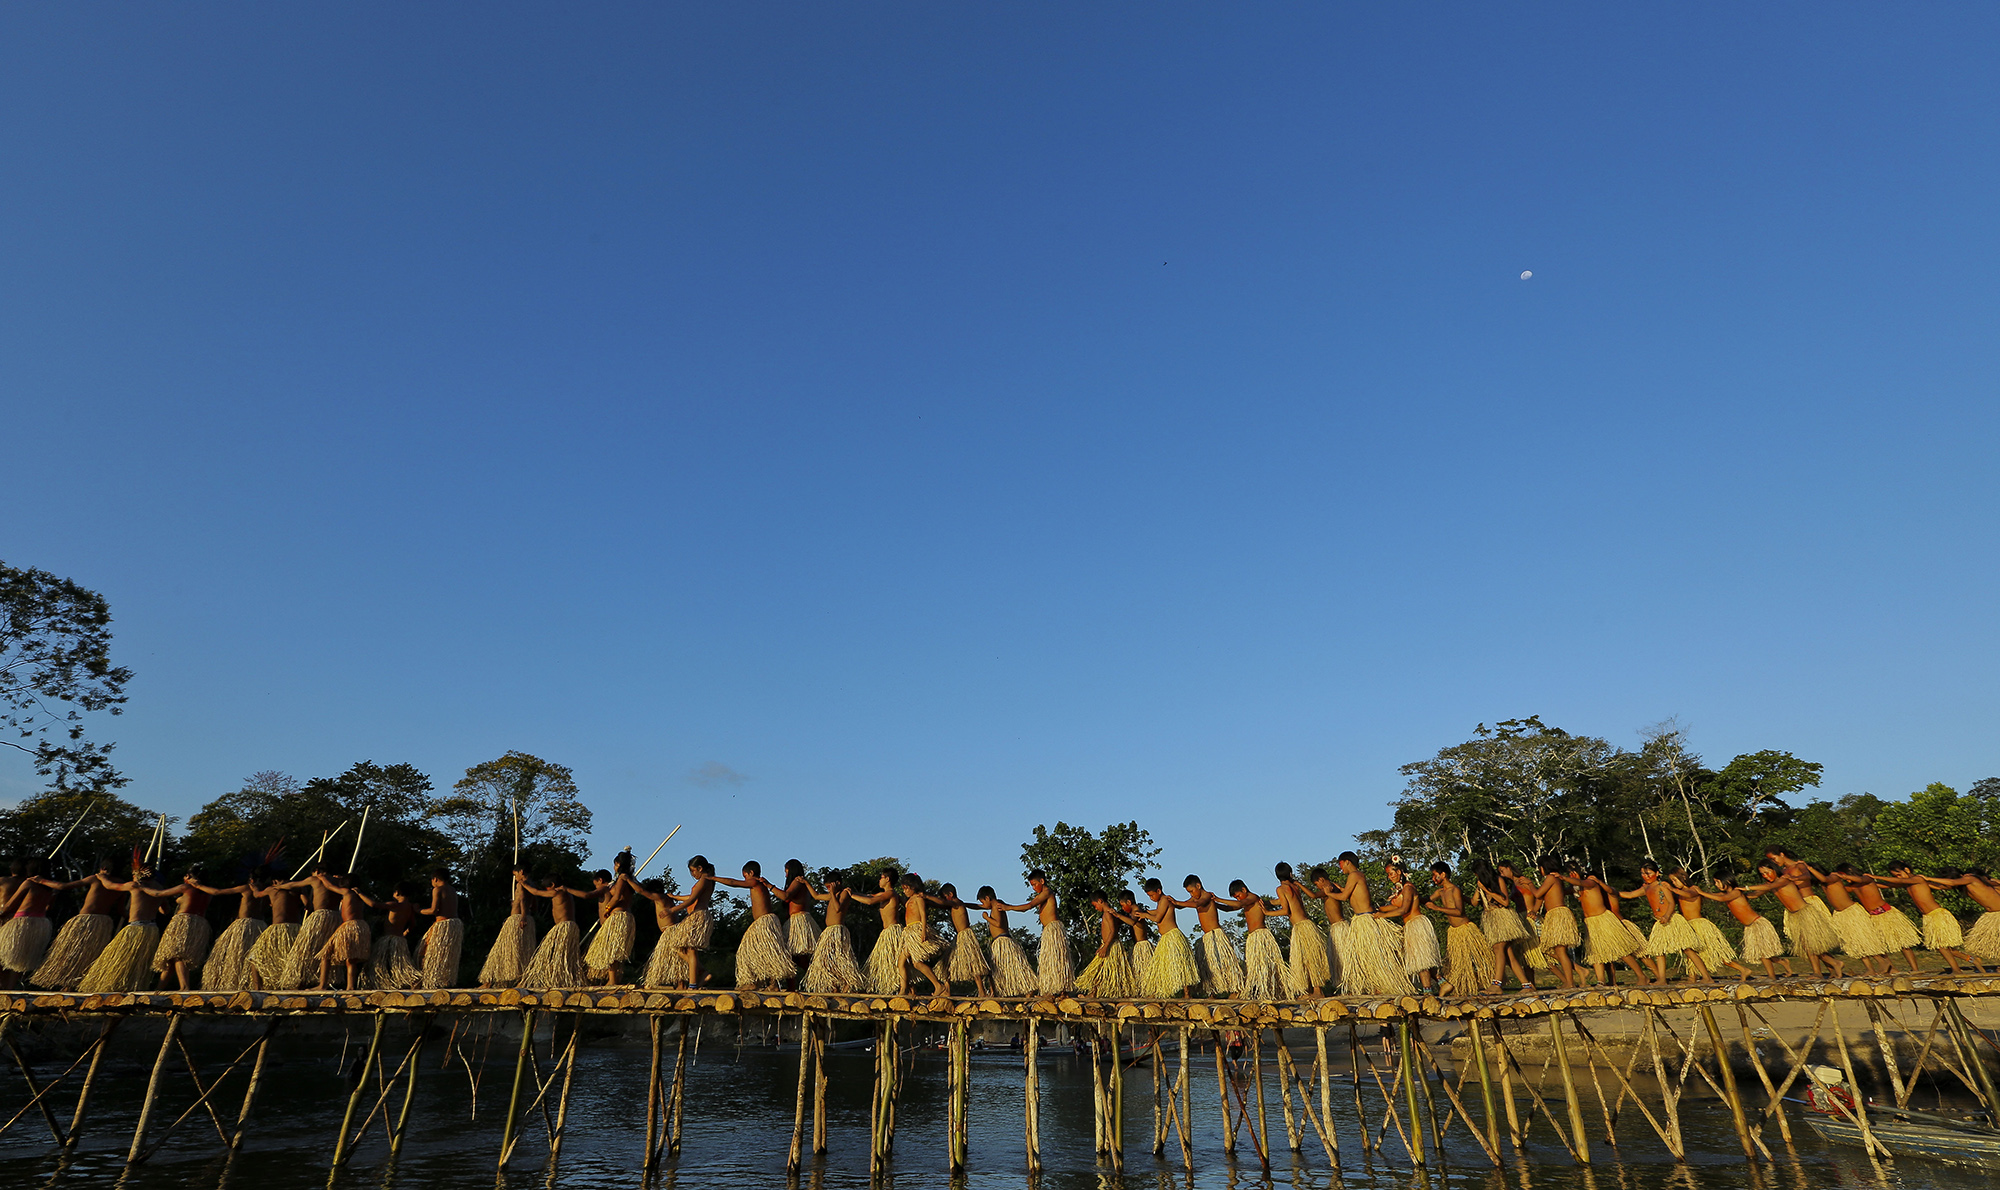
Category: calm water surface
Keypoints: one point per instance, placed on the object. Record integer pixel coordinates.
(738, 1128)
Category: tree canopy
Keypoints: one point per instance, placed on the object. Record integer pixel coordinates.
(55, 669)
(1080, 864)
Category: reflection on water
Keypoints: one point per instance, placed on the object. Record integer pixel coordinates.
(738, 1128)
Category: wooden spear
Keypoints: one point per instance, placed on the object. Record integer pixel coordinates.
(358, 832)
(72, 826)
(324, 840)
(656, 851)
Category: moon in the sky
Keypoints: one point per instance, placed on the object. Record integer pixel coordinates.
(1526, 273)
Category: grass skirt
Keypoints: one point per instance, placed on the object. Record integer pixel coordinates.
(967, 962)
(1378, 971)
(558, 963)
(186, 940)
(1983, 939)
(1760, 941)
(1055, 971)
(1420, 946)
(228, 966)
(1501, 924)
(1637, 935)
(764, 955)
(1942, 931)
(1142, 955)
(1172, 970)
(1536, 953)
(613, 943)
(1109, 977)
(390, 965)
(1340, 937)
(512, 951)
(1858, 935)
(1471, 953)
(272, 953)
(1811, 930)
(1013, 974)
(439, 952)
(1312, 962)
(1608, 942)
(77, 945)
(351, 943)
(1265, 974)
(1671, 937)
(1716, 952)
(885, 962)
(1896, 930)
(1559, 928)
(922, 945)
(302, 964)
(126, 963)
(801, 933)
(1221, 967)
(668, 967)
(24, 941)
(834, 967)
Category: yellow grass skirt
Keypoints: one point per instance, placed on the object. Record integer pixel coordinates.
(351, 943)
(512, 951)
(1013, 974)
(1671, 937)
(302, 964)
(1942, 931)
(1221, 967)
(185, 940)
(24, 942)
(1896, 930)
(1501, 924)
(1420, 946)
(1609, 940)
(1377, 969)
(1142, 954)
(1760, 941)
(438, 954)
(1811, 929)
(885, 962)
(77, 945)
(1055, 971)
(668, 967)
(390, 966)
(1983, 939)
(228, 966)
(967, 962)
(1858, 935)
(1559, 928)
(271, 954)
(558, 963)
(612, 943)
(834, 967)
(1109, 977)
(1265, 973)
(801, 933)
(1470, 953)
(1715, 950)
(1172, 970)
(127, 963)
(764, 955)
(1312, 959)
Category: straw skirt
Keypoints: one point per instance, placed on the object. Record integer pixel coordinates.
(1896, 930)
(802, 933)
(1501, 924)
(764, 955)
(612, 943)
(302, 965)
(1377, 967)
(351, 943)
(185, 940)
(126, 963)
(1858, 935)
(1312, 959)
(667, 968)
(1172, 969)
(1265, 974)
(967, 961)
(1811, 929)
(1942, 931)
(1013, 974)
(885, 962)
(558, 963)
(1109, 976)
(1420, 946)
(1055, 971)
(1559, 928)
(271, 954)
(1715, 950)
(1470, 953)
(1608, 940)
(24, 942)
(228, 966)
(1760, 941)
(1671, 937)
(390, 966)
(77, 945)
(512, 951)
(1983, 939)
(1221, 967)
(443, 943)
(834, 967)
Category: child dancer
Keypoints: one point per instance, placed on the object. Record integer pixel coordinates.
(514, 949)
(834, 967)
(1013, 974)
(967, 962)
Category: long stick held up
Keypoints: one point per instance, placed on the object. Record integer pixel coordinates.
(517, 830)
(158, 842)
(72, 826)
(322, 848)
(657, 850)
(358, 832)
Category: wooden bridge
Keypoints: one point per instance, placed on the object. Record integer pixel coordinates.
(1493, 1096)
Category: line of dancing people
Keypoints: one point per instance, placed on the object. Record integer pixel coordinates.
(1509, 923)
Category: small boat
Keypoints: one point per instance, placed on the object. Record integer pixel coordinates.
(1903, 1131)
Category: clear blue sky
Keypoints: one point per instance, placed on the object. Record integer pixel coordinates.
(953, 418)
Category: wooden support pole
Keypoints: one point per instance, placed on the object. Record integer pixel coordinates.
(1670, 1094)
(1032, 1102)
(1736, 1116)
(360, 1085)
(1328, 1134)
(152, 1090)
(35, 1092)
(569, 1077)
(1159, 1118)
(1517, 1135)
(1887, 1051)
(1263, 1137)
(678, 1100)
(1114, 1102)
(1407, 1061)
(1292, 1137)
(1485, 1087)
(1770, 1090)
(799, 1100)
(1222, 1097)
(1354, 1076)
(416, 1062)
(1973, 1057)
(1423, 1081)
(514, 1096)
(1853, 1084)
(653, 1095)
(1184, 1123)
(202, 1092)
(819, 1040)
(90, 1080)
(249, 1092)
(1098, 1143)
(1458, 1105)
(1582, 1142)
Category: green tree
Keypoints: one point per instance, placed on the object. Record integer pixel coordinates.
(399, 843)
(479, 814)
(1518, 789)
(110, 828)
(1940, 827)
(1080, 864)
(55, 668)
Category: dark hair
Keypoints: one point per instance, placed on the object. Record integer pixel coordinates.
(1347, 857)
(520, 866)
(1648, 866)
(1396, 865)
(195, 871)
(1441, 868)
(912, 880)
(17, 866)
(753, 867)
(36, 866)
(1125, 894)
(1900, 865)
(948, 890)
(1152, 884)
(1190, 880)
(408, 890)
(1845, 869)
(986, 893)
(622, 862)
(653, 886)
(1283, 871)
(1319, 873)
(441, 874)
(1727, 879)
(1237, 887)
(1097, 897)
(700, 864)
(793, 870)
(1950, 873)
(1038, 874)
(601, 874)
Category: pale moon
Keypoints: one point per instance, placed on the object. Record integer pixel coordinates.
(1526, 273)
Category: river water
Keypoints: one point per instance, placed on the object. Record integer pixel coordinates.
(738, 1128)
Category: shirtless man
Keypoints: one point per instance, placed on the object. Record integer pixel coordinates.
(764, 955)
(318, 927)
(611, 941)
(1108, 975)
(270, 956)
(921, 944)
(1715, 950)
(1311, 965)
(1760, 937)
(351, 944)
(1013, 974)
(1171, 972)
(444, 940)
(558, 961)
(1221, 967)
(1982, 941)
(967, 962)
(1559, 928)
(1852, 921)
(1055, 970)
(1468, 954)
(1806, 944)
(184, 946)
(1330, 900)
(885, 960)
(1671, 932)
(1141, 924)
(126, 963)
(1942, 932)
(1265, 975)
(1606, 939)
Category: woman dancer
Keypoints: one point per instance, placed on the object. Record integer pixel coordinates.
(801, 931)
(1501, 922)
(184, 946)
